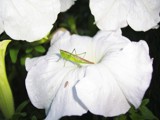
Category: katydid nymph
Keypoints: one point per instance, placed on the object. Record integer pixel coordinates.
(74, 58)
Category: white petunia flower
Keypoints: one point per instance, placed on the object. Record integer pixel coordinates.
(140, 15)
(120, 75)
(30, 19)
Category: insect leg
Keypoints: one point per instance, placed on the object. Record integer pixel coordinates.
(74, 50)
(84, 53)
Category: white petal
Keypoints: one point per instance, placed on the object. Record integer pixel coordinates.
(40, 84)
(100, 92)
(66, 4)
(1, 26)
(111, 42)
(110, 14)
(132, 69)
(144, 14)
(1, 21)
(29, 20)
(57, 34)
(29, 63)
(66, 101)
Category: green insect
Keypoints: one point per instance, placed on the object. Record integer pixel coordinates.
(74, 57)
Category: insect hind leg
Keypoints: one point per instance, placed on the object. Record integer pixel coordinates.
(84, 53)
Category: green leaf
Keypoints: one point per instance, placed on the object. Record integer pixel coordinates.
(40, 49)
(142, 113)
(13, 54)
(145, 102)
(147, 114)
(16, 116)
(121, 117)
(23, 114)
(136, 116)
(6, 97)
(22, 106)
(29, 50)
(72, 24)
(34, 118)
